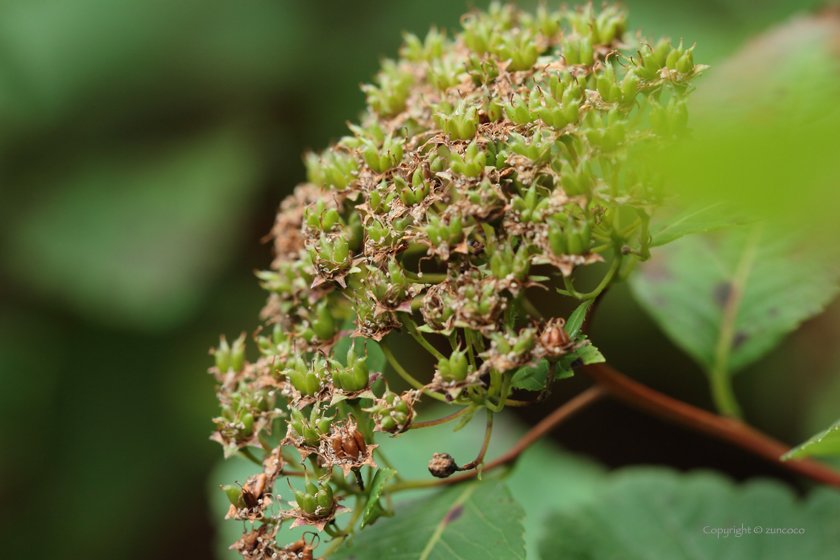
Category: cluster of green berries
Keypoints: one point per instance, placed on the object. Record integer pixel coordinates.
(487, 161)
(315, 499)
(355, 376)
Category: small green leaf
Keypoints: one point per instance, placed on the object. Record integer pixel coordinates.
(826, 442)
(657, 514)
(698, 218)
(373, 508)
(465, 419)
(473, 521)
(531, 378)
(576, 319)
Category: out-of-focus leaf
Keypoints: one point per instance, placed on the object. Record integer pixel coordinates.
(745, 288)
(531, 378)
(698, 218)
(476, 520)
(543, 478)
(826, 442)
(135, 239)
(576, 319)
(657, 514)
(373, 508)
(764, 127)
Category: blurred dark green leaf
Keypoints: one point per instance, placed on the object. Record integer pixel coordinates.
(134, 239)
(699, 218)
(657, 514)
(736, 293)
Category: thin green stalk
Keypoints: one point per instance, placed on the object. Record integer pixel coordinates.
(412, 330)
(389, 355)
(605, 282)
(444, 420)
(721, 380)
(250, 456)
(386, 462)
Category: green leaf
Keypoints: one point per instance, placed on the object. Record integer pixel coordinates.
(531, 378)
(826, 442)
(576, 319)
(373, 508)
(656, 514)
(697, 218)
(729, 298)
(477, 520)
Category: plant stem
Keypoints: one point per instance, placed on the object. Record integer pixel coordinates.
(403, 373)
(727, 429)
(479, 460)
(439, 421)
(721, 379)
(547, 424)
(250, 456)
(605, 283)
(412, 330)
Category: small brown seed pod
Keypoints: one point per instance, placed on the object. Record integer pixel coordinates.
(442, 465)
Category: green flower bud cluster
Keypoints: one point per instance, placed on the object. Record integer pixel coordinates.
(332, 169)
(532, 206)
(316, 499)
(482, 70)
(230, 357)
(429, 49)
(417, 192)
(538, 149)
(320, 326)
(306, 379)
(392, 413)
(381, 158)
(389, 288)
(663, 55)
(454, 368)
(670, 119)
(388, 97)
(471, 163)
(509, 146)
(573, 238)
(310, 430)
(459, 121)
(440, 232)
(331, 253)
(505, 261)
(352, 377)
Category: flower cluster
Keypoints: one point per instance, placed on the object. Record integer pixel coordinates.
(487, 164)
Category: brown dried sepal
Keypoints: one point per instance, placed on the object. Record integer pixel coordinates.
(318, 521)
(256, 497)
(553, 340)
(258, 544)
(345, 447)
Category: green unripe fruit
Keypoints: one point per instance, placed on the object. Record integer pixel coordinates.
(234, 494)
(248, 422)
(222, 356)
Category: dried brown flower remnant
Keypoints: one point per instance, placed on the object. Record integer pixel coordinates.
(442, 465)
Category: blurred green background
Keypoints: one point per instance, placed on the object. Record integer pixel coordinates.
(145, 146)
